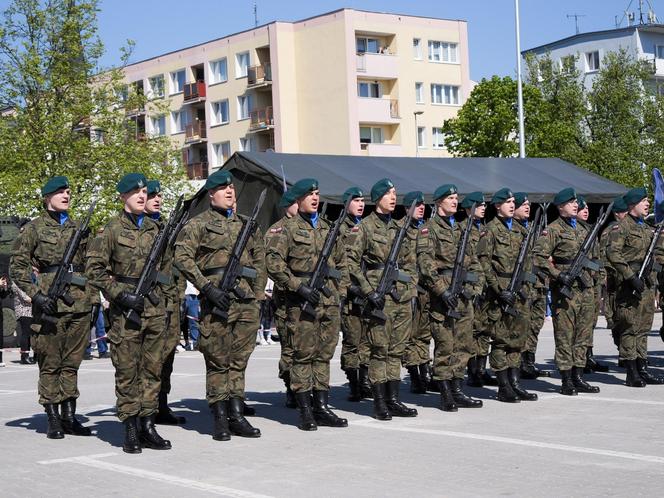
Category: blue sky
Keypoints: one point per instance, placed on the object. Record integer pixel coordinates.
(159, 26)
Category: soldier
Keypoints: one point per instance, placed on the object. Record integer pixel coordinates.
(58, 346)
(416, 356)
(291, 256)
(201, 254)
(635, 297)
(115, 261)
(437, 246)
(354, 346)
(173, 291)
(497, 251)
(279, 303)
(561, 242)
(387, 339)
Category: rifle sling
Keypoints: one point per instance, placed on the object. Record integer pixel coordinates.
(403, 278)
(245, 271)
(527, 276)
(77, 280)
(591, 264)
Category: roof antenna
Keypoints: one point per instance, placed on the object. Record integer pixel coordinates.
(576, 20)
(255, 14)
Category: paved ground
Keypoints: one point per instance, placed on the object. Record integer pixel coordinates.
(609, 444)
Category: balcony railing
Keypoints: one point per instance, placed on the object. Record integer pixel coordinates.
(394, 108)
(259, 74)
(195, 132)
(261, 118)
(197, 171)
(193, 91)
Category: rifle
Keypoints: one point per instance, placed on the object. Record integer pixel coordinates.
(234, 269)
(321, 270)
(391, 273)
(581, 259)
(458, 272)
(150, 275)
(518, 273)
(648, 264)
(64, 276)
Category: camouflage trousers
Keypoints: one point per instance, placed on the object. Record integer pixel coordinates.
(59, 349)
(313, 341)
(417, 349)
(388, 340)
(537, 316)
(633, 320)
(591, 323)
(280, 315)
(355, 350)
(226, 347)
(570, 330)
(453, 340)
(172, 336)
(481, 331)
(137, 356)
(509, 334)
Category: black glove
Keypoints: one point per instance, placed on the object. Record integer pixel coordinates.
(309, 294)
(449, 300)
(637, 284)
(376, 301)
(355, 291)
(216, 296)
(565, 279)
(129, 300)
(506, 297)
(44, 303)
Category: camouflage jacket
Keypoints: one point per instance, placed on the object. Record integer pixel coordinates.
(173, 285)
(596, 255)
(42, 244)
(609, 272)
(277, 293)
(627, 246)
(498, 250)
(408, 258)
(347, 235)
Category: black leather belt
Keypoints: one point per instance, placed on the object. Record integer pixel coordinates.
(373, 266)
(331, 273)
(504, 274)
(246, 271)
(302, 273)
(563, 261)
(126, 280)
(54, 268)
(468, 276)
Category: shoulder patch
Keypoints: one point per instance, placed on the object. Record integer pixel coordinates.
(355, 229)
(616, 227)
(276, 230)
(424, 231)
(545, 232)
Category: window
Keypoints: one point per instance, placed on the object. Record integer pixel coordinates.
(444, 94)
(369, 135)
(371, 90)
(243, 107)
(659, 51)
(156, 86)
(179, 121)
(122, 93)
(419, 93)
(158, 125)
(442, 51)
(247, 144)
(218, 71)
(363, 45)
(178, 79)
(567, 61)
(592, 61)
(222, 152)
(241, 64)
(417, 49)
(437, 138)
(421, 137)
(220, 112)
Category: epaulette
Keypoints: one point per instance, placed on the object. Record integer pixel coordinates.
(276, 230)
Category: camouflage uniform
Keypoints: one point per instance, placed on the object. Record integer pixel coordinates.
(611, 284)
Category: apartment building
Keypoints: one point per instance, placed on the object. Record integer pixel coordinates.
(346, 82)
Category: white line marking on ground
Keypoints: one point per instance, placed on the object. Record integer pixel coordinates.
(92, 461)
(9, 391)
(373, 424)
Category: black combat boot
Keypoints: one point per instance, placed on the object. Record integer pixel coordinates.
(70, 425)
(592, 365)
(220, 416)
(633, 379)
(238, 425)
(642, 368)
(447, 403)
(505, 392)
(416, 384)
(132, 443)
(352, 374)
(365, 385)
(474, 378)
(426, 373)
(567, 385)
(487, 378)
(322, 413)
(149, 436)
(248, 411)
(394, 406)
(461, 399)
(164, 415)
(307, 421)
(615, 334)
(380, 407)
(54, 430)
(581, 385)
(290, 395)
(25, 359)
(515, 382)
(528, 368)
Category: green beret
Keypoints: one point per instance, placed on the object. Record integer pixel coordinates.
(565, 195)
(619, 205)
(352, 193)
(582, 202)
(501, 196)
(444, 191)
(219, 178)
(130, 182)
(286, 199)
(380, 188)
(303, 187)
(476, 197)
(635, 196)
(520, 199)
(54, 184)
(154, 187)
(413, 196)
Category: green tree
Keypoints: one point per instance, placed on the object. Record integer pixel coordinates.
(63, 115)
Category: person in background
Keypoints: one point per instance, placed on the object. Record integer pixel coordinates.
(100, 334)
(23, 310)
(264, 337)
(3, 292)
(193, 310)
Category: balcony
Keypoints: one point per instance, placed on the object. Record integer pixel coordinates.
(380, 66)
(135, 112)
(195, 132)
(197, 171)
(259, 75)
(194, 92)
(370, 110)
(261, 119)
(381, 150)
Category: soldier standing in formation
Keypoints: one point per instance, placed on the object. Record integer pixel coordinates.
(59, 344)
